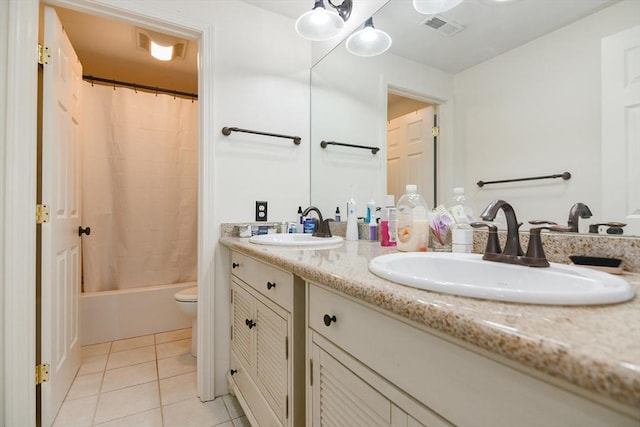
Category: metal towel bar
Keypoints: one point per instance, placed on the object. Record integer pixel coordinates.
(227, 131)
(324, 144)
(564, 175)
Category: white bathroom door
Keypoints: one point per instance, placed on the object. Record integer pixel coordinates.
(410, 153)
(621, 129)
(60, 265)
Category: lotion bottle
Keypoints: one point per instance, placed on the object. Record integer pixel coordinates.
(352, 220)
(413, 226)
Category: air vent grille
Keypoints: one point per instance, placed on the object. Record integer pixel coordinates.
(443, 26)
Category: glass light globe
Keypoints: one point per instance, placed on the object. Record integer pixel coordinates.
(433, 7)
(319, 24)
(368, 41)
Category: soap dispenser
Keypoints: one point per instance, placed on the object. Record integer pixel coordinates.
(352, 220)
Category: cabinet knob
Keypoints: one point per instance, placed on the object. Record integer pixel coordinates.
(86, 230)
(233, 371)
(235, 265)
(270, 285)
(249, 323)
(328, 319)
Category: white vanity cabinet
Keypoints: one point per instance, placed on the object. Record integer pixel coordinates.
(267, 342)
(371, 368)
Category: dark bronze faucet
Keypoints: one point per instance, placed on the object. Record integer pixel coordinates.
(578, 210)
(322, 225)
(512, 247)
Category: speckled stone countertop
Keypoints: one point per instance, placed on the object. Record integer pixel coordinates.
(593, 347)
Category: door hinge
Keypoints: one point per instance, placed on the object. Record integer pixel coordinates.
(287, 407)
(435, 131)
(42, 373)
(311, 372)
(286, 348)
(42, 214)
(43, 54)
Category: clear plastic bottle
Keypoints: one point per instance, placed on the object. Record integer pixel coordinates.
(461, 231)
(413, 226)
(388, 222)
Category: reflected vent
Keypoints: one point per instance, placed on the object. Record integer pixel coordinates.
(443, 26)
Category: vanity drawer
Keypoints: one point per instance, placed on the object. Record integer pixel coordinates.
(440, 374)
(275, 284)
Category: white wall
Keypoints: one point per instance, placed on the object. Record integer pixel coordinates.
(535, 110)
(349, 105)
(4, 25)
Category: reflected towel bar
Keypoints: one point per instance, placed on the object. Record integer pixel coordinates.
(565, 176)
(227, 131)
(324, 144)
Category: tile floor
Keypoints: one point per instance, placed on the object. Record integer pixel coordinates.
(148, 381)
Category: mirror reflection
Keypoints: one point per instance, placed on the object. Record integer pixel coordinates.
(517, 89)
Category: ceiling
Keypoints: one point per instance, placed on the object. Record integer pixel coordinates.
(107, 48)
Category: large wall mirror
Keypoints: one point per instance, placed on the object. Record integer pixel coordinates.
(520, 88)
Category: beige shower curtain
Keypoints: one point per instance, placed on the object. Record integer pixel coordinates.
(139, 188)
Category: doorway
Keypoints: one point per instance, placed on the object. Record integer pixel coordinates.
(411, 145)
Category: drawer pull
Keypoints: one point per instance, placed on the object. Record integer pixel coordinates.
(235, 265)
(250, 323)
(270, 285)
(233, 372)
(328, 319)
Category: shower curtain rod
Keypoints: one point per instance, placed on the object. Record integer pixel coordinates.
(142, 87)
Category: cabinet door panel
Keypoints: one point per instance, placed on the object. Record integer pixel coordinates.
(271, 362)
(242, 340)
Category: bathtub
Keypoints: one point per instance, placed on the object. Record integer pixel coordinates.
(114, 315)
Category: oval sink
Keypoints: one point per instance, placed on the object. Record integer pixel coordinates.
(469, 275)
(294, 239)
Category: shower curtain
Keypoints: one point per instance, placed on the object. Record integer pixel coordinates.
(139, 188)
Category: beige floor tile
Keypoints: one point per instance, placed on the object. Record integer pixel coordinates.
(128, 376)
(131, 357)
(234, 408)
(129, 343)
(173, 348)
(85, 385)
(193, 413)
(96, 349)
(76, 413)
(241, 422)
(127, 401)
(180, 387)
(179, 334)
(178, 365)
(152, 418)
(93, 364)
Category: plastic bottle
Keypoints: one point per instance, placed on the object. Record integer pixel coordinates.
(371, 210)
(337, 219)
(413, 226)
(388, 222)
(300, 226)
(352, 220)
(461, 231)
(373, 227)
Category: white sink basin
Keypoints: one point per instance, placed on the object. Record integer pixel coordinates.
(469, 275)
(294, 239)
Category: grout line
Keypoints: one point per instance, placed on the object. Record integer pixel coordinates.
(155, 346)
(95, 410)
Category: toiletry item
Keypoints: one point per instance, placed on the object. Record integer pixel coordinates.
(293, 228)
(373, 229)
(461, 231)
(371, 209)
(284, 227)
(300, 220)
(337, 214)
(413, 226)
(388, 222)
(309, 225)
(352, 220)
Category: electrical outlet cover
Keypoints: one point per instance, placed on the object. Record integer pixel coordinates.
(261, 211)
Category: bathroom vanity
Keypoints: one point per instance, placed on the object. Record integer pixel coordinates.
(345, 347)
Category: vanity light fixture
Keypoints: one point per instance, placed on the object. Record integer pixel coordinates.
(320, 24)
(368, 41)
(433, 7)
(161, 46)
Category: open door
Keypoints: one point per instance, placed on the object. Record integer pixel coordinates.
(60, 253)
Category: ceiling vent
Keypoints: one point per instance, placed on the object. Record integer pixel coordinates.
(144, 39)
(443, 26)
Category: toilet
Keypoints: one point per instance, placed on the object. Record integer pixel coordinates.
(187, 300)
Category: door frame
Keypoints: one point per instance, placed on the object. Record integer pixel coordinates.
(19, 262)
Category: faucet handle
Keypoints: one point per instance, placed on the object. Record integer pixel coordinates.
(535, 256)
(493, 244)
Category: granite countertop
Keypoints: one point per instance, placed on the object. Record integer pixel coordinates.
(593, 347)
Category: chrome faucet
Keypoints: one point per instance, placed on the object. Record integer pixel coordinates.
(578, 210)
(322, 225)
(512, 247)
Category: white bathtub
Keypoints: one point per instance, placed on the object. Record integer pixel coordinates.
(114, 315)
